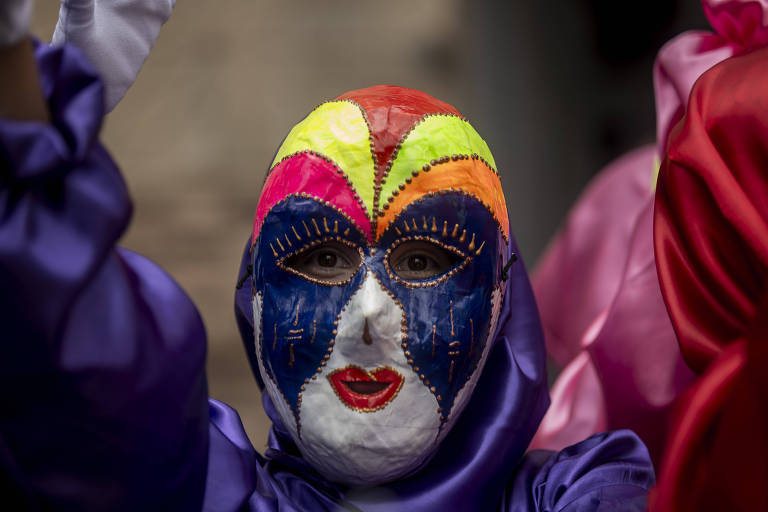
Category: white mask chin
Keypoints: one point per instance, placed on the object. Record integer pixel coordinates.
(363, 445)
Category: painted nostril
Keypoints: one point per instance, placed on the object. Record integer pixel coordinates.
(366, 334)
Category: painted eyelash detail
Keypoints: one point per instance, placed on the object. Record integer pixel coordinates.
(436, 193)
(281, 262)
(427, 283)
(323, 202)
(314, 222)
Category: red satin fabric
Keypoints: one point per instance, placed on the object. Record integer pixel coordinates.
(711, 220)
(716, 459)
(711, 243)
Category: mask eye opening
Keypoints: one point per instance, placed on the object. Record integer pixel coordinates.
(458, 260)
(339, 270)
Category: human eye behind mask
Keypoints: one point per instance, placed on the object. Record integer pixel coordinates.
(418, 260)
(330, 263)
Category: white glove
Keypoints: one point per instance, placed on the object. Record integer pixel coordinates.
(115, 35)
(14, 21)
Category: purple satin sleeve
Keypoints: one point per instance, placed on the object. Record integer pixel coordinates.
(102, 354)
(605, 472)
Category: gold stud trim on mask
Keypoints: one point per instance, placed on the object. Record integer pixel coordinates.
(405, 135)
(450, 190)
(263, 366)
(404, 335)
(466, 259)
(321, 201)
(500, 291)
(281, 262)
(365, 409)
(336, 168)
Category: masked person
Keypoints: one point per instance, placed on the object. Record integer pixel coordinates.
(381, 305)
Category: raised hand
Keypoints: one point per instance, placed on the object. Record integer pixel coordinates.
(115, 35)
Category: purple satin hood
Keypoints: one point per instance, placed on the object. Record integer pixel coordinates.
(474, 464)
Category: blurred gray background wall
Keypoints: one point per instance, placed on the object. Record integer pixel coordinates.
(557, 89)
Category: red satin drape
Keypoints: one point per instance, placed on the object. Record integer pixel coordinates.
(711, 244)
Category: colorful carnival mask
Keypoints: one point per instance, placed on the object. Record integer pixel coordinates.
(378, 255)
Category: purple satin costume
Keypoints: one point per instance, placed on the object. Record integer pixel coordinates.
(105, 402)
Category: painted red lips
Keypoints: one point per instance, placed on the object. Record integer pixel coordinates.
(366, 391)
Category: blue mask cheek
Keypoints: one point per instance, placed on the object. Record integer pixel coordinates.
(298, 317)
(448, 323)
